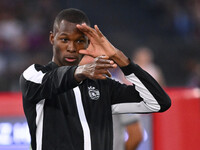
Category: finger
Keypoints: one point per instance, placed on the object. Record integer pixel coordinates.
(81, 27)
(103, 61)
(105, 66)
(108, 73)
(89, 29)
(105, 74)
(114, 65)
(98, 31)
(101, 77)
(86, 29)
(103, 57)
(85, 52)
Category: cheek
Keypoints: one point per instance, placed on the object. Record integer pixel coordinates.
(59, 46)
(83, 45)
(58, 51)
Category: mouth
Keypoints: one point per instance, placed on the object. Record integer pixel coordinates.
(70, 59)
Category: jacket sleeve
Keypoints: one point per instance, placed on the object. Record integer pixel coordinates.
(144, 96)
(36, 84)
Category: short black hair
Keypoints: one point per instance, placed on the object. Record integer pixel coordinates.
(72, 15)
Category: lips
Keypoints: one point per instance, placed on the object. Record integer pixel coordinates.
(70, 59)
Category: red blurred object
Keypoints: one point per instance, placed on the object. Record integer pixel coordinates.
(176, 129)
(179, 127)
(11, 104)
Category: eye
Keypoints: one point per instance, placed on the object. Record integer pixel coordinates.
(64, 40)
(80, 41)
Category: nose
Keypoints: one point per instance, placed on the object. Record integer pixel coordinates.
(71, 48)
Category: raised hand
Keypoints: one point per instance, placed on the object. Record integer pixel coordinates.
(99, 45)
(98, 69)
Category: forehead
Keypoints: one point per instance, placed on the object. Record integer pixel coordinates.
(68, 28)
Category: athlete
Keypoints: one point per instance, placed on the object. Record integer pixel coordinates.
(69, 105)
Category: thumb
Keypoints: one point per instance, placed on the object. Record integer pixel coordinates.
(85, 52)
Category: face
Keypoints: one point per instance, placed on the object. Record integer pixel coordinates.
(67, 42)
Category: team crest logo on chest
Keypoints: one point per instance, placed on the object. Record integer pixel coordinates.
(93, 93)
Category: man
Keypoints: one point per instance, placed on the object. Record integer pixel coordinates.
(127, 128)
(69, 106)
(127, 132)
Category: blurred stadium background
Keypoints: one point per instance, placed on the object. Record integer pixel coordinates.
(171, 29)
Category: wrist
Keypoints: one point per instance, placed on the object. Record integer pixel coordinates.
(78, 74)
(114, 54)
(120, 58)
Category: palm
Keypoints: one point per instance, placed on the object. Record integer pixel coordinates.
(97, 48)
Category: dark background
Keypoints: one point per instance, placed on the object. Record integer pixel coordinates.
(170, 28)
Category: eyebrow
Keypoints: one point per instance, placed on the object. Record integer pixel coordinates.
(65, 34)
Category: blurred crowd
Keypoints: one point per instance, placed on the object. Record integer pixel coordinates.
(24, 29)
(25, 26)
(185, 15)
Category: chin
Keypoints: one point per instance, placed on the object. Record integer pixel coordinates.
(71, 63)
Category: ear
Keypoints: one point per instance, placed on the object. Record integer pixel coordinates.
(51, 38)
